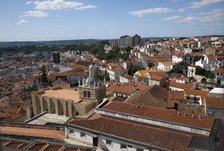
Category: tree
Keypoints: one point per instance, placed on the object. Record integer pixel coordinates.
(203, 72)
(43, 74)
(133, 69)
(218, 83)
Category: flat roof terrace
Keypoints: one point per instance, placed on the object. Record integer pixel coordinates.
(49, 118)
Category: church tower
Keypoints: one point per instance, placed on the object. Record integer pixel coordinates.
(91, 88)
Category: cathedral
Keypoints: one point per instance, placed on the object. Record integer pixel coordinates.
(69, 102)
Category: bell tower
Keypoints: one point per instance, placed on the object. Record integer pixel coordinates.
(91, 88)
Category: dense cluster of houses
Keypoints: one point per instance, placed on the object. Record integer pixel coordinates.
(160, 89)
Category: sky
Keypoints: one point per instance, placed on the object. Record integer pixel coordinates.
(35, 20)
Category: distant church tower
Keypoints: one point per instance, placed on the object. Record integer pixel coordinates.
(91, 88)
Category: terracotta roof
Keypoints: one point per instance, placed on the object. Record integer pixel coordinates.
(151, 96)
(201, 93)
(215, 102)
(167, 63)
(127, 88)
(161, 114)
(66, 94)
(147, 134)
(61, 83)
(117, 68)
(184, 86)
(177, 95)
(72, 73)
(21, 144)
(4, 115)
(157, 76)
(143, 72)
(79, 66)
(219, 70)
(128, 77)
(32, 132)
(177, 53)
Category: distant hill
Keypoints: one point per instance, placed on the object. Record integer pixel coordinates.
(49, 43)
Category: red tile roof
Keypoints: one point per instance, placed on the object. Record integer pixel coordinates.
(184, 86)
(147, 134)
(215, 102)
(32, 132)
(161, 114)
(201, 93)
(127, 88)
(72, 73)
(177, 95)
(219, 70)
(151, 96)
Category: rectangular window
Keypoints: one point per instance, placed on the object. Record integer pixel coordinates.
(84, 93)
(123, 146)
(83, 135)
(88, 94)
(109, 142)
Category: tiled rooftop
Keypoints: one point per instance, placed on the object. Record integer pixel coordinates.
(165, 115)
(66, 94)
(148, 134)
(127, 88)
(44, 145)
(32, 132)
(215, 102)
(184, 86)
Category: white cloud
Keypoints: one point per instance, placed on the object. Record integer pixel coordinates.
(21, 22)
(214, 17)
(29, 2)
(180, 10)
(203, 3)
(60, 4)
(35, 13)
(85, 7)
(158, 10)
(171, 18)
(188, 19)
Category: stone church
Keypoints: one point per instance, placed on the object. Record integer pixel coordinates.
(69, 102)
